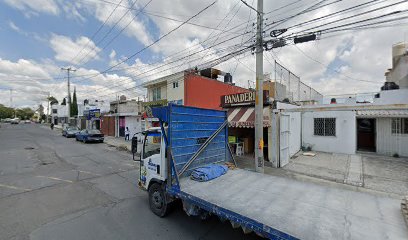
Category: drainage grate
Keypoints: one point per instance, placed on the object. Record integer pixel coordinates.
(29, 148)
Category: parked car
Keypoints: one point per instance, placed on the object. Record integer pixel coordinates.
(89, 135)
(15, 121)
(27, 121)
(70, 131)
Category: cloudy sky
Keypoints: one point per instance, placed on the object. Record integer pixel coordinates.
(116, 45)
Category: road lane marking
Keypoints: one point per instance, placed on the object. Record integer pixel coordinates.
(88, 172)
(15, 188)
(54, 178)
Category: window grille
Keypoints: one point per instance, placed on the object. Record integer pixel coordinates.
(325, 126)
(399, 126)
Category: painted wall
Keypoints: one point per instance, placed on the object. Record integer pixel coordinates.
(175, 94)
(388, 143)
(205, 92)
(343, 142)
(134, 124)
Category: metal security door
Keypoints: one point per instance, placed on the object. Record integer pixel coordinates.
(284, 140)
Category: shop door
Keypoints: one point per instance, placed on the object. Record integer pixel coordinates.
(284, 140)
(366, 134)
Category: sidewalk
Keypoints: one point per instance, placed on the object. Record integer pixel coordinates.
(119, 143)
(382, 174)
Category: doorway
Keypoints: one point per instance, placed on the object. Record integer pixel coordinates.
(366, 134)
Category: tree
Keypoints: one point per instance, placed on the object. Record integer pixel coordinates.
(52, 100)
(74, 105)
(6, 112)
(24, 113)
(64, 102)
(40, 109)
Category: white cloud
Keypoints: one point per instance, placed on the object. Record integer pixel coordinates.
(67, 49)
(31, 81)
(23, 68)
(134, 26)
(44, 6)
(71, 10)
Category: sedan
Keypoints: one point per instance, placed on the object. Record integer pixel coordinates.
(89, 135)
(70, 131)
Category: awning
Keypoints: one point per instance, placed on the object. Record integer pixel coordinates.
(383, 113)
(244, 117)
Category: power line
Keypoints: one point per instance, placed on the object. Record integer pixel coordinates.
(334, 13)
(109, 31)
(97, 31)
(361, 14)
(153, 43)
(117, 35)
(335, 70)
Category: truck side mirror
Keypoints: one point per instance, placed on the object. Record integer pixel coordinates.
(134, 144)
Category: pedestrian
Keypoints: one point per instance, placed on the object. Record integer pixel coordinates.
(52, 126)
(127, 133)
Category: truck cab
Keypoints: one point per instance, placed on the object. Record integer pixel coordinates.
(152, 158)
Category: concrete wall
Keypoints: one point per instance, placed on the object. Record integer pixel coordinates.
(343, 142)
(399, 73)
(398, 96)
(130, 107)
(388, 143)
(295, 129)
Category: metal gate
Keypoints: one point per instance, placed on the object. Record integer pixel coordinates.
(284, 140)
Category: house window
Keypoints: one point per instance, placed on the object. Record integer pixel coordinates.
(156, 94)
(175, 84)
(399, 126)
(325, 126)
(54, 110)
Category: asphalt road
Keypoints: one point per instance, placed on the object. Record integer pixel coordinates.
(56, 188)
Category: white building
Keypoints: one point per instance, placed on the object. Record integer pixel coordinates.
(399, 71)
(126, 114)
(59, 114)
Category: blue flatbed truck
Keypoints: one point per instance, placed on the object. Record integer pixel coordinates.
(272, 207)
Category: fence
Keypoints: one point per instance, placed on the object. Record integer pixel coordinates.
(294, 89)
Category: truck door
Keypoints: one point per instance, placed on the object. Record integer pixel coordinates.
(152, 157)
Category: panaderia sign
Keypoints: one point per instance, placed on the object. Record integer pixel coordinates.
(242, 98)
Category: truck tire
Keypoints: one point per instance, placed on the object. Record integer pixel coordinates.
(157, 200)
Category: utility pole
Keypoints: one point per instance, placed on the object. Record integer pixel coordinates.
(11, 98)
(259, 158)
(48, 109)
(69, 69)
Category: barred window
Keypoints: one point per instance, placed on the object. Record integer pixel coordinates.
(399, 125)
(325, 126)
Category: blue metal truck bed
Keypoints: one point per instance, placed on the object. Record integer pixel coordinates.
(287, 209)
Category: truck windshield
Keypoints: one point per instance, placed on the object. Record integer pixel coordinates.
(151, 145)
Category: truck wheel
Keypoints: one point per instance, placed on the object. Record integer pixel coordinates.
(157, 200)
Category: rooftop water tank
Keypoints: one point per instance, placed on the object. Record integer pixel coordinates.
(227, 78)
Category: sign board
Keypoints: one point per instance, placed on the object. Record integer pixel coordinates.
(92, 114)
(247, 98)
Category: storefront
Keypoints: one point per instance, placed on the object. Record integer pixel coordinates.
(241, 122)
(93, 118)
